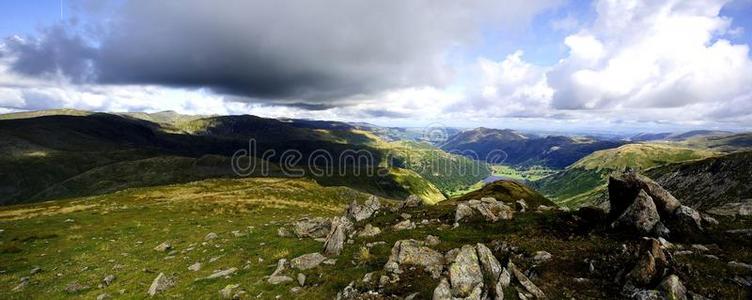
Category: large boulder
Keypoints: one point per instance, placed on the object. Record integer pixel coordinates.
(650, 265)
(623, 189)
(412, 252)
(686, 223)
(335, 240)
(526, 282)
(160, 284)
(362, 212)
(312, 227)
(640, 216)
(672, 288)
(307, 261)
(488, 262)
(488, 208)
(465, 272)
(411, 201)
(442, 291)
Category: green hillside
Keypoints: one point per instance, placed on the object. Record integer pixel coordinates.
(583, 182)
(57, 154)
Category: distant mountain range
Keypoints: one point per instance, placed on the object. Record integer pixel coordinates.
(525, 150)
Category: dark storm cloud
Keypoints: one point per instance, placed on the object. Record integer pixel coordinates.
(55, 51)
(309, 50)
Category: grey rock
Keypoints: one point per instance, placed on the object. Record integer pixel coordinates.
(75, 287)
(160, 284)
(541, 257)
(526, 282)
(462, 212)
(505, 278)
(336, 238)
(411, 252)
(301, 279)
(488, 262)
(362, 212)
(163, 247)
(210, 236)
(404, 225)
(639, 217)
(623, 189)
(283, 232)
(432, 240)
(411, 201)
(465, 272)
(229, 292)
(369, 231)
(307, 261)
(279, 279)
(35, 270)
(650, 264)
(442, 291)
(312, 227)
(672, 288)
(195, 267)
(521, 205)
(221, 273)
(104, 296)
(686, 222)
(107, 280)
(282, 265)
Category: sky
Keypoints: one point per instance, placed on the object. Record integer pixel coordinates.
(622, 65)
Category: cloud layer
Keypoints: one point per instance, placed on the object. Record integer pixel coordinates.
(271, 50)
(663, 61)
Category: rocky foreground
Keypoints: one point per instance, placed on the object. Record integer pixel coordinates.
(645, 245)
(655, 233)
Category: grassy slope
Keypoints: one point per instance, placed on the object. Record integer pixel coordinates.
(583, 182)
(115, 234)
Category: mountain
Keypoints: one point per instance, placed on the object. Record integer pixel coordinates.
(522, 150)
(74, 153)
(710, 182)
(584, 181)
(677, 137)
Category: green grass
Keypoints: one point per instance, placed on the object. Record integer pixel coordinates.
(115, 234)
(580, 184)
(521, 173)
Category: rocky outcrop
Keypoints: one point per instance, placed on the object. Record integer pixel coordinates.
(404, 225)
(335, 240)
(651, 264)
(411, 201)
(623, 190)
(312, 227)
(686, 223)
(359, 212)
(475, 273)
(464, 272)
(412, 252)
(369, 231)
(672, 288)
(160, 284)
(278, 276)
(526, 282)
(642, 207)
(487, 208)
(640, 216)
(307, 261)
